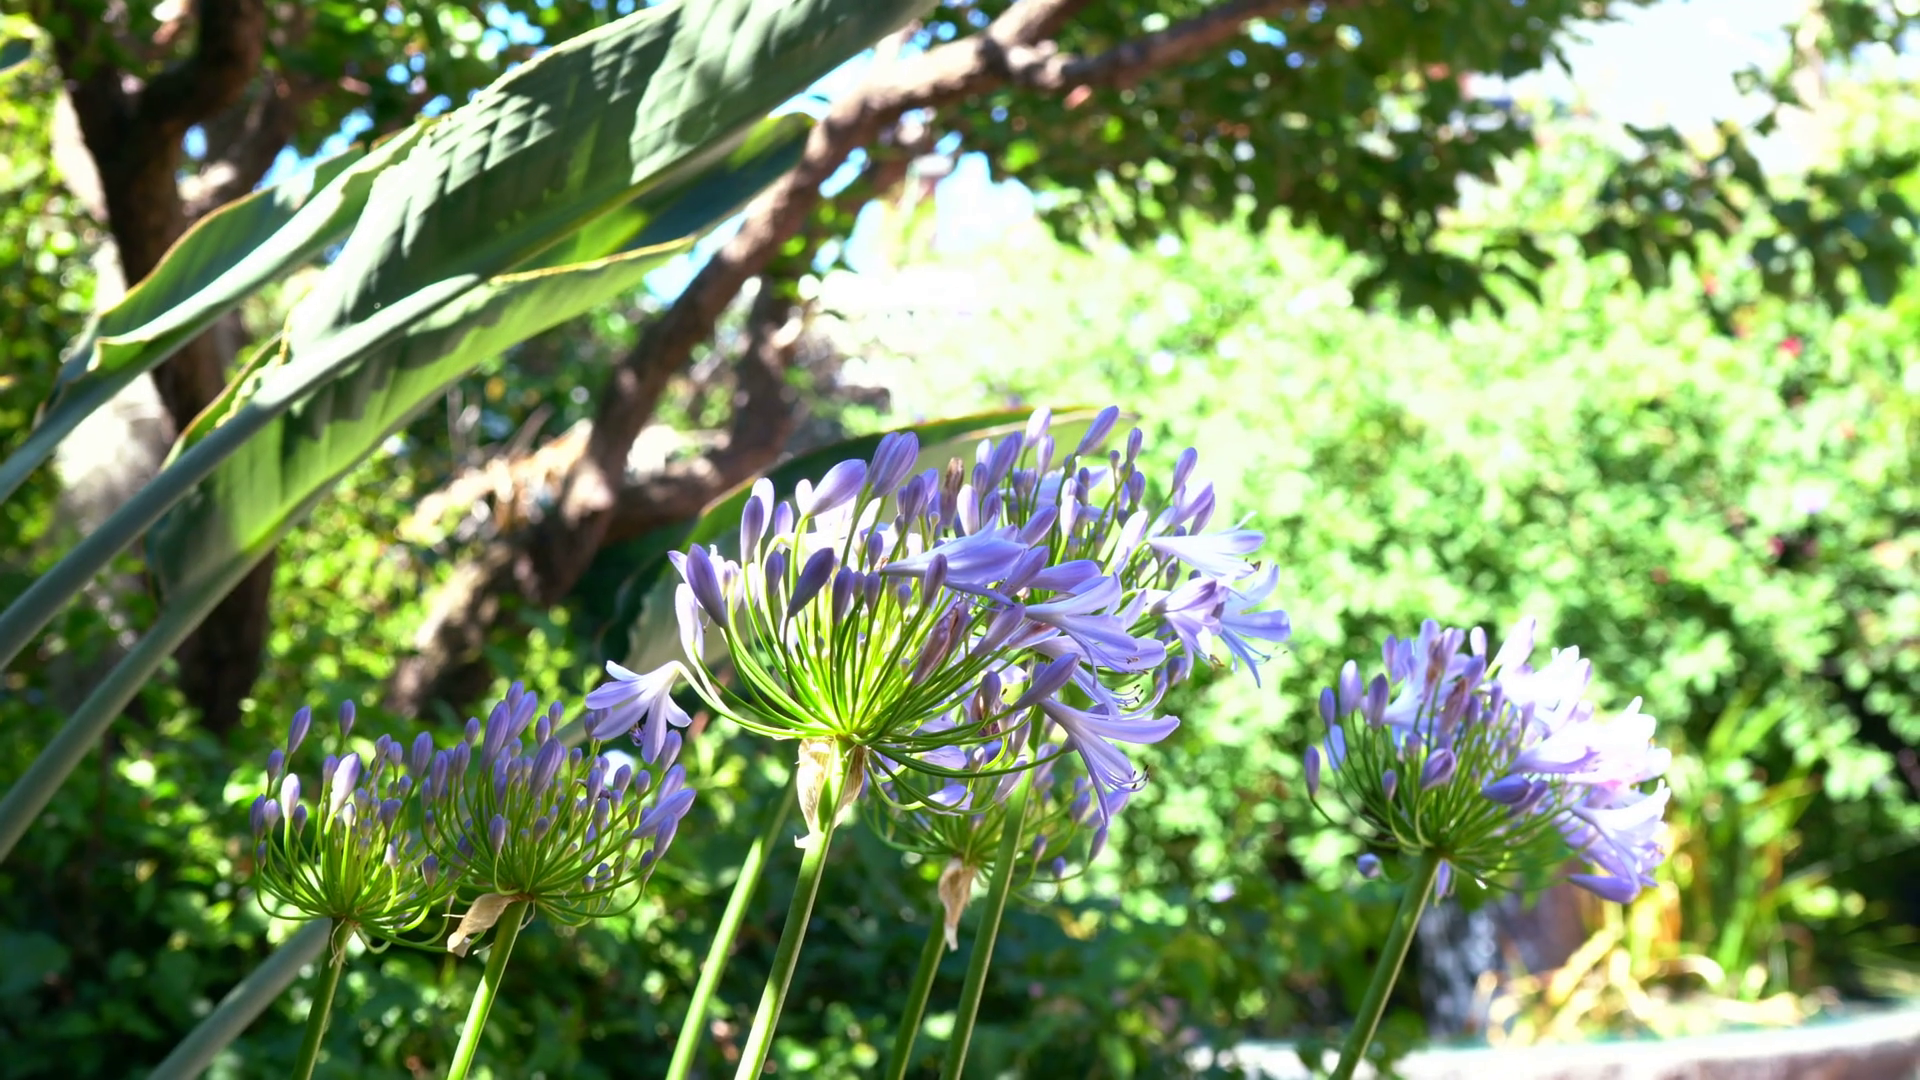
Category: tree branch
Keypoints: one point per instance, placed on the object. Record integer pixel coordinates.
(998, 57)
(226, 52)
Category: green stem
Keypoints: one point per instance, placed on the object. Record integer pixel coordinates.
(504, 934)
(813, 865)
(909, 1028)
(322, 1009)
(1004, 871)
(1392, 957)
(751, 869)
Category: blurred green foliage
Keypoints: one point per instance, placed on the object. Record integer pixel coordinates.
(1717, 518)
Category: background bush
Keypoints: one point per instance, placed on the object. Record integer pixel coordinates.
(1723, 521)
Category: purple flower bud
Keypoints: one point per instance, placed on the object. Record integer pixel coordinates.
(1097, 433)
(276, 763)
(1135, 440)
(1005, 453)
(257, 816)
(297, 729)
(345, 776)
(697, 568)
(1443, 883)
(421, 755)
(1183, 469)
(1369, 866)
(473, 730)
(892, 460)
(497, 833)
(542, 731)
(1313, 771)
(813, 577)
(1328, 710)
(389, 812)
(753, 518)
(622, 776)
(841, 595)
(541, 824)
(1037, 424)
(430, 869)
(1135, 490)
(669, 749)
(298, 818)
(1508, 790)
(290, 791)
(546, 765)
(839, 486)
(346, 719)
(1389, 783)
(1438, 770)
(1349, 688)
(1375, 707)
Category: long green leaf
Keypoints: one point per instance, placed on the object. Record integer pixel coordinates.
(639, 626)
(224, 258)
(570, 138)
(243, 1004)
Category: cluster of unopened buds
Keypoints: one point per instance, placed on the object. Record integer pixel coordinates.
(404, 834)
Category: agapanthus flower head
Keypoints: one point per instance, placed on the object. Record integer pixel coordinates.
(1492, 763)
(345, 848)
(903, 624)
(519, 816)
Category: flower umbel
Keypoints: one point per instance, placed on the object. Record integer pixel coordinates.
(1493, 764)
(565, 830)
(964, 623)
(346, 850)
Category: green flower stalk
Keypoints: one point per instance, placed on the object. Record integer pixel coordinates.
(540, 829)
(349, 856)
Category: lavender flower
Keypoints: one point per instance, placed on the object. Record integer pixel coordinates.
(869, 611)
(566, 830)
(1514, 767)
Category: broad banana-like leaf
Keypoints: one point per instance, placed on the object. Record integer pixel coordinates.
(266, 462)
(643, 105)
(640, 629)
(223, 259)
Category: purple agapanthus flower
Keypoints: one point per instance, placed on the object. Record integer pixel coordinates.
(1028, 592)
(1510, 760)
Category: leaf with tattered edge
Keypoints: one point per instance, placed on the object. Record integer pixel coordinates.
(639, 624)
(323, 436)
(568, 138)
(219, 262)
(575, 135)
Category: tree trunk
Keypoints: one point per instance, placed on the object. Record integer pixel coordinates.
(134, 137)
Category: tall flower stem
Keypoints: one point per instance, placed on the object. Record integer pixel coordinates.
(916, 1008)
(1392, 957)
(505, 932)
(1004, 871)
(321, 1012)
(724, 935)
(786, 956)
